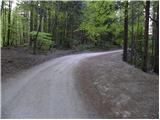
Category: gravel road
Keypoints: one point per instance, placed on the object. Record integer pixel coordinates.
(47, 91)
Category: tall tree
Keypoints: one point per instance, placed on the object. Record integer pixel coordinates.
(2, 6)
(9, 22)
(156, 64)
(31, 22)
(56, 22)
(145, 61)
(132, 39)
(125, 47)
(41, 14)
(136, 40)
(3, 13)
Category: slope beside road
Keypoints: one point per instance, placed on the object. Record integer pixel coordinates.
(118, 90)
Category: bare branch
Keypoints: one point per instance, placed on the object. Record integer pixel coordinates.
(153, 19)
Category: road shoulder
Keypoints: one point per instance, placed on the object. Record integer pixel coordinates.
(117, 89)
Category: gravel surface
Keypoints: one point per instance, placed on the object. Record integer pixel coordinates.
(117, 89)
(48, 90)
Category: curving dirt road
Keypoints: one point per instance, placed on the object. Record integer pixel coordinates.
(47, 91)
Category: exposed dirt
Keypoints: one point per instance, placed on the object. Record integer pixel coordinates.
(117, 89)
(14, 60)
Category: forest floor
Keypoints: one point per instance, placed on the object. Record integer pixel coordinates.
(117, 89)
(14, 60)
(17, 59)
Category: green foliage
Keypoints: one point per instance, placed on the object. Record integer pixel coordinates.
(102, 21)
(44, 39)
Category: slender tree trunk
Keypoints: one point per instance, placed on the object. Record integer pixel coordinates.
(35, 40)
(2, 6)
(9, 23)
(49, 22)
(55, 32)
(13, 24)
(42, 28)
(66, 22)
(135, 43)
(4, 26)
(71, 29)
(153, 37)
(31, 24)
(55, 25)
(65, 28)
(35, 20)
(132, 39)
(125, 32)
(145, 62)
(156, 66)
(16, 32)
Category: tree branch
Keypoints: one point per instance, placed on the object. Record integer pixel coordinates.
(153, 19)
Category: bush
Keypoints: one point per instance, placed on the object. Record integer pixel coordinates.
(44, 40)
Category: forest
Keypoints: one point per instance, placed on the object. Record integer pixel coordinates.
(81, 25)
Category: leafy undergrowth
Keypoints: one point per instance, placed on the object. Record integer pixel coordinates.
(117, 89)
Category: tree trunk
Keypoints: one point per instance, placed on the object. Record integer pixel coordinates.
(2, 7)
(35, 39)
(4, 27)
(55, 24)
(132, 39)
(136, 38)
(31, 24)
(9, 22)
(65, 32)
(49, 22)
(145, 62)
(153, 37)
(156, 65)
(125, 32)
